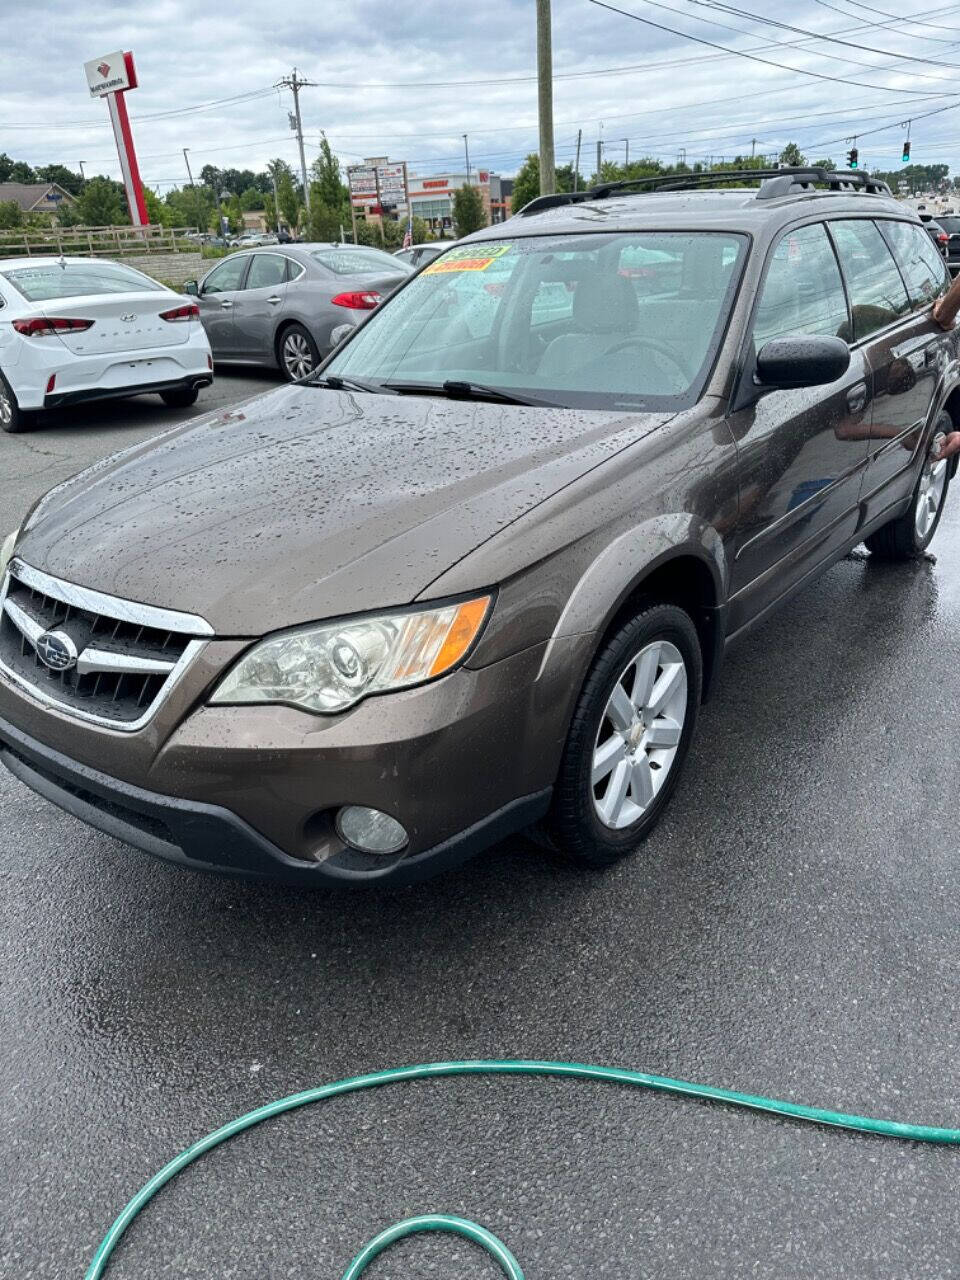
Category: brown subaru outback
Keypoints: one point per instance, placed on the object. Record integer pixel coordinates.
(480, 570)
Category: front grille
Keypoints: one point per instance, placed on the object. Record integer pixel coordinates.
(126, 660)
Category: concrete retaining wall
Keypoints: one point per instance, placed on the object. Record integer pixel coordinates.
(174, 268)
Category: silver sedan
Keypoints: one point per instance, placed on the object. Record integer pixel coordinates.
(280, 306)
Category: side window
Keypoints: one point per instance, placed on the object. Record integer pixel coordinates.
(226, 276)
(803, 291)
(294, 270)
(877, 293)
(923, 268)
(266, 270)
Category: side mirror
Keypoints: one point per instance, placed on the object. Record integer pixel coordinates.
(802, 361)
(341, 333)
(192, 288)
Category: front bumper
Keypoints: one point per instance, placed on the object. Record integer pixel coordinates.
(461, 762)
(207, 837)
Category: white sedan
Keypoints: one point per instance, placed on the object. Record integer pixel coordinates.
(74, 329)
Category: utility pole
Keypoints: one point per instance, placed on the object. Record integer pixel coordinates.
(466, 152)
(83, 176)
(626, 143)
(599, 159)
(576, 166)
(548, 169)
(196, 191)
(295, 84)
(753, 148)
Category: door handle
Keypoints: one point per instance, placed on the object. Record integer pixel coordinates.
(275, 299)
(857, 398)
(225, 306)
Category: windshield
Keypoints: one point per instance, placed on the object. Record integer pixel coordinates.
(345, 260)
(603, 320)
(950, 225)
(76, 279)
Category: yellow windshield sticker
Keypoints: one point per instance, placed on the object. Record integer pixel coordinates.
(469, 258)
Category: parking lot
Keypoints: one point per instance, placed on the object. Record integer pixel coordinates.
(790, 929)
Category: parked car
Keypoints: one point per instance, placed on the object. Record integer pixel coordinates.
(279, 307)
(468, 579)
(251, 239)
(419, 254)
(74, 329)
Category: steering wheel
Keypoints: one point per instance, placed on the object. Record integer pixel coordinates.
(651, 344)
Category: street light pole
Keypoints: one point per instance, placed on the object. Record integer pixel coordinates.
(196, 191)
(548, 171)
(466, 152)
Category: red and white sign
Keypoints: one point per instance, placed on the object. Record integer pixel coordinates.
(110, 77)
(428, 183)
(377, 184)
(109, 74)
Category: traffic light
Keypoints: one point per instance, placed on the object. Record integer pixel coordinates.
(853, 158)
(906, 151)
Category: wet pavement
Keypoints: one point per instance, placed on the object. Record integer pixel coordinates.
(790, 929)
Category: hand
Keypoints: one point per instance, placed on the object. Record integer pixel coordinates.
(940, 317)
(949, 445)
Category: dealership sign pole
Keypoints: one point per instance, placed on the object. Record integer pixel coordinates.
(110, 77)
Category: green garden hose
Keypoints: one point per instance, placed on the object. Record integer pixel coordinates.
(520, 1067)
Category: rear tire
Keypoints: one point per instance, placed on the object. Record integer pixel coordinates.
(297, 353)
(180, 397)
(909, 535)
(629, 736)
(13, 419)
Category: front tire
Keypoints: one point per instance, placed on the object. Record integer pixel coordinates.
(909, 535)
(299, 354)
(629, 736)
(180, 397)
(13, 419)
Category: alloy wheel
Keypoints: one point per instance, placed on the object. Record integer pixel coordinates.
(639, 734)
(933, 481)
(297, 356)
(6, 408)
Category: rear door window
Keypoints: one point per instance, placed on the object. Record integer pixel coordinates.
(803, 290)
(266, 270)
(923, 268)
(878, 297)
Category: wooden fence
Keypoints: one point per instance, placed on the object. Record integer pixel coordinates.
(95, 242)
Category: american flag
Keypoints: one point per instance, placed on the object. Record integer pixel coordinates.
(408, 234)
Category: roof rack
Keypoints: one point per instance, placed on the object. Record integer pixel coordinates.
(793, 180)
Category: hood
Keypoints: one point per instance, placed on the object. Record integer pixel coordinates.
(308, 503)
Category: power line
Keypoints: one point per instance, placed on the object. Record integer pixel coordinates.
(936, 26)
(892, 21)
(825, 38)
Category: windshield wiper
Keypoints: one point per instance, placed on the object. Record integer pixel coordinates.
(336, 382)
(457, 390)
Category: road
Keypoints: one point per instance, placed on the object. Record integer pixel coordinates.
(790, 929)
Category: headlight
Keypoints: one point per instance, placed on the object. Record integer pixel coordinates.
(330, 668)
(6, 550)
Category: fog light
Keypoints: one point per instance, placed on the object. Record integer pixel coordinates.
(370, 830)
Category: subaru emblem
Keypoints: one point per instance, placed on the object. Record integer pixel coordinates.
(57, 651)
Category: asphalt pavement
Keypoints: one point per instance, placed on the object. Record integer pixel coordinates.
(790, 929)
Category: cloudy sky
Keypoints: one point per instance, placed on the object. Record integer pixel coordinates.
(409, 79)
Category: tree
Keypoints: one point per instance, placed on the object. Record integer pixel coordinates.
(325, 175)
(791, 155)
(250, 199)
(286, 189)
(10, 215)
(526, 185)
(421, 232)
(825, 164)
(20, 172)
(101, 204)
(64, 177)
(468, 211)
(154, 205)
